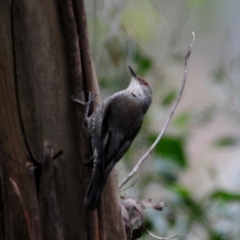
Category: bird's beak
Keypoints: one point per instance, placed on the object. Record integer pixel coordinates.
(132, 72)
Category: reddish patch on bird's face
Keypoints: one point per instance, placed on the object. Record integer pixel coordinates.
(143, 81)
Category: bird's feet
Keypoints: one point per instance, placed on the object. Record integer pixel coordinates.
(91, 98)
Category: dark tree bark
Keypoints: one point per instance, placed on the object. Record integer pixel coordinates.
(44, 59)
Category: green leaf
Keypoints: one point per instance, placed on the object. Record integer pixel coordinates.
(169, 98)
(186, 200)
(225, 196)
(172, 148)
(217, 236)
(227, 141)
(180, 190)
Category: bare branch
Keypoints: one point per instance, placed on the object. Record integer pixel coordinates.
(163, 238)
(144, 157)
(129, 186)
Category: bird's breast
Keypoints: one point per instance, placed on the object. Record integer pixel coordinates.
(125, 113)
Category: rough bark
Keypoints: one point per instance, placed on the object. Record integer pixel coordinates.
(44, 59)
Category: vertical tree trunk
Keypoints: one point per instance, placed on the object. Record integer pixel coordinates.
(44, 59)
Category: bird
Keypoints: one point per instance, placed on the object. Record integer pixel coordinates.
(112, 127)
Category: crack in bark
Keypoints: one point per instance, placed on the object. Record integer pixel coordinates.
(16, 84)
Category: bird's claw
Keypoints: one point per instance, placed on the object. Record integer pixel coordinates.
(91, 98)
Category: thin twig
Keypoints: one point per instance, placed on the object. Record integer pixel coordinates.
(129, 186)
(144, 157)
(164, 238)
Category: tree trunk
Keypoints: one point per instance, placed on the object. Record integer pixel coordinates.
(44, 59)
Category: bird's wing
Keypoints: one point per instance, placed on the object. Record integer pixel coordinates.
(117, 130)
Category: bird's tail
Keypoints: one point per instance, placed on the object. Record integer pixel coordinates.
(98, 182)
(93, 194)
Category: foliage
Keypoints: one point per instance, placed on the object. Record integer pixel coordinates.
(205, 216)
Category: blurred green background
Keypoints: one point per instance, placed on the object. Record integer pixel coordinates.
(195, 169)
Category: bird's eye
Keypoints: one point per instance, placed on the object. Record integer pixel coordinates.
(144, 82)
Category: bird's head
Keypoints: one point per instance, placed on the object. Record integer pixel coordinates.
(139, 84)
